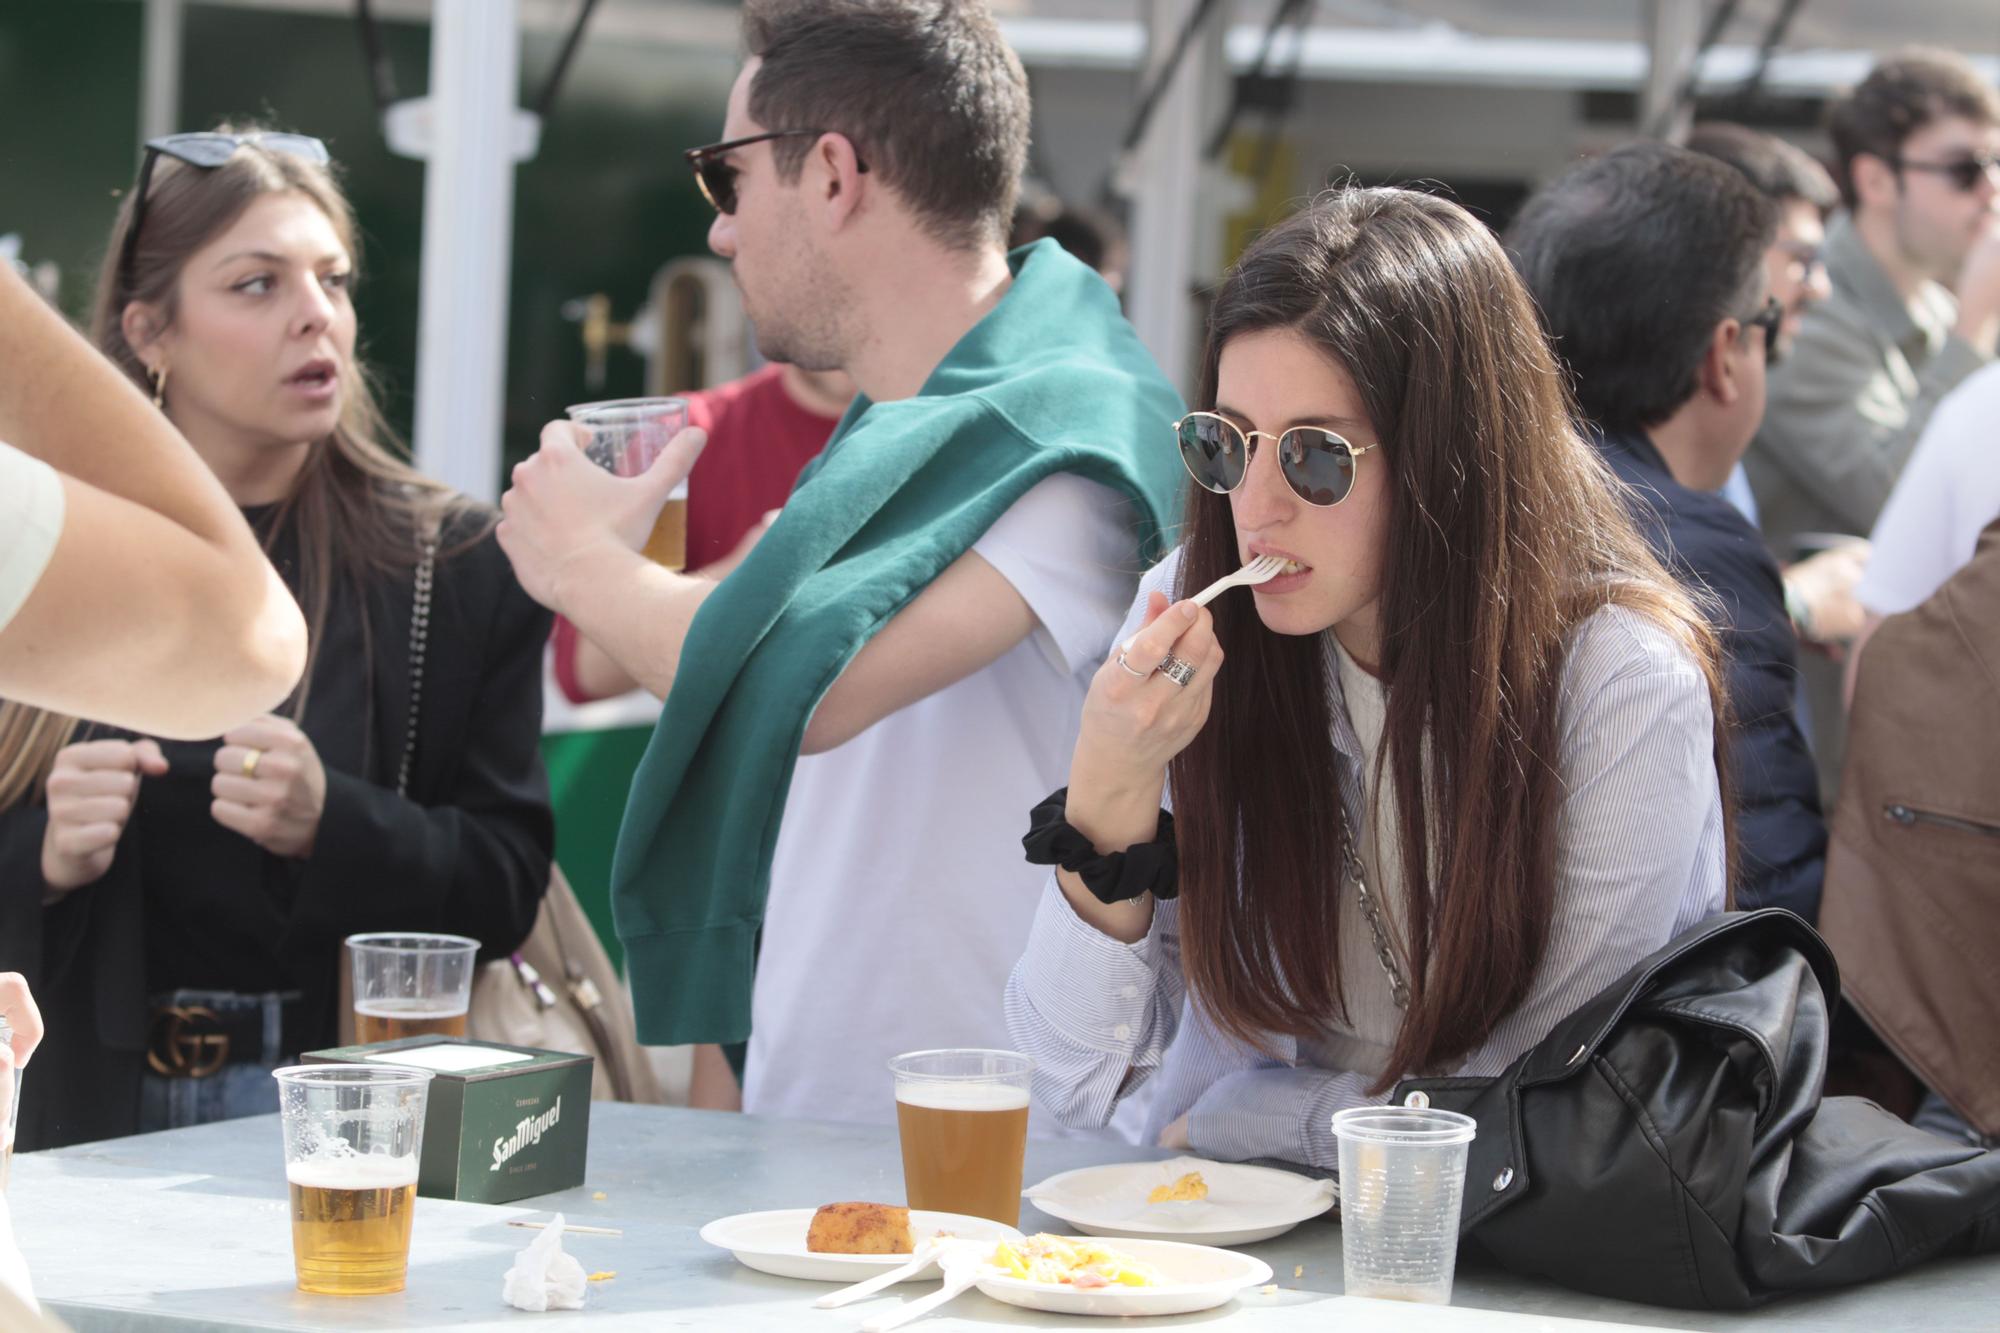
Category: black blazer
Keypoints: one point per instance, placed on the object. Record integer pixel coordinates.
(468, 852)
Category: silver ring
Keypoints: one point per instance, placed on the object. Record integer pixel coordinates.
(1129, 669)
(1177, 671)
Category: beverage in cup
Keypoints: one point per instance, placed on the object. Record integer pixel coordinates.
(352, 1138)
(963, 1116)
(1402, 1177)
(410, 985)
(626, 435)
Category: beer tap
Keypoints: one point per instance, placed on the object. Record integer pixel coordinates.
(600, 334)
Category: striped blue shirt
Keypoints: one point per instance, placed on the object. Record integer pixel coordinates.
(1639, 858)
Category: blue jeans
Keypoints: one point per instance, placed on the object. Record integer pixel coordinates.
(237, 1089)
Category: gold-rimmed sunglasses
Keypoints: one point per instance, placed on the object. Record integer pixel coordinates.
(1318, 464)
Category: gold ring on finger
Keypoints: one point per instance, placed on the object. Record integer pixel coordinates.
(250, 762)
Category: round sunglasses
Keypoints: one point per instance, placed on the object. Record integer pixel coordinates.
(1318, 464)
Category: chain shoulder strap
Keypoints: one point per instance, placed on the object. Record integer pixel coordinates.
(1399, 986)
(420, 634)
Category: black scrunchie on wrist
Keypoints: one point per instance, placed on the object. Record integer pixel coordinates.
(1145, 867)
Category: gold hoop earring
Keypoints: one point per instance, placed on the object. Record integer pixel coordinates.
(160, 388)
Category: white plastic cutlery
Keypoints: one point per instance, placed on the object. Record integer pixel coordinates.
(924, 1256)
(1260, 570)
(955, 1285)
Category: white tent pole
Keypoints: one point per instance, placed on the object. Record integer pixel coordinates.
(1673, 34)
(160, 70)
(1172, 239)
(468, 241)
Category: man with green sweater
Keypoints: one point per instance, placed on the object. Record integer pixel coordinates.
(860, 714)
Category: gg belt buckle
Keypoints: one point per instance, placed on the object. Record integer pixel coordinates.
(179, 1050)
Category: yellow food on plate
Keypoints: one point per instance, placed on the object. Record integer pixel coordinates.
(1185, 1190)
(1082, 1264)
(860, 1228)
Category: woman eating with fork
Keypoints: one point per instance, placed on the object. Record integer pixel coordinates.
(1450, 772)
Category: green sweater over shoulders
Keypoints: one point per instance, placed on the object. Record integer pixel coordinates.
(1052, 379)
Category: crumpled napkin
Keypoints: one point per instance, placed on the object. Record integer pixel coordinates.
(543, 1277)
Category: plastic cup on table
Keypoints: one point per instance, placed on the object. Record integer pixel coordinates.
(353, 1136)
(1402, 1179)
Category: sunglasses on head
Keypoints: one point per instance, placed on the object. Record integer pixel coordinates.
(1965, 173)
(1768, 319)
(207, 151)
(717, 178)
(1318, 464)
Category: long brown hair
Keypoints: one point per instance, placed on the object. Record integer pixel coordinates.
(356, 504)
(1505, 531)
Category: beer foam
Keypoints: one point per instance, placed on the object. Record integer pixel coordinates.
(410, 1009)
(963, 1096)
(357, 1171)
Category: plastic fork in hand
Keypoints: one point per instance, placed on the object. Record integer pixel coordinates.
(1260, 570)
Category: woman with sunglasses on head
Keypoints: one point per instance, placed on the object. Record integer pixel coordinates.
(182, 905)
(1439, 781)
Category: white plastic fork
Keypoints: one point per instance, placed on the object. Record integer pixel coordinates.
(923, 1257)
(955, 1285)
(1261, 570)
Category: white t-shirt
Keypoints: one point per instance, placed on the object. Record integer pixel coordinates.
(900, 899)
(1949, 490)
(31, 518)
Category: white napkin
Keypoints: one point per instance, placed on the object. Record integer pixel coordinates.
(543, 1277)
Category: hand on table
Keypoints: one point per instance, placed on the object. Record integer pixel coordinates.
(270, 786)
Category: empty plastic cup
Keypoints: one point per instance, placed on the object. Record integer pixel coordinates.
(1402, 1177)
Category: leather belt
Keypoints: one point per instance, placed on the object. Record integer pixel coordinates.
(193, 1040)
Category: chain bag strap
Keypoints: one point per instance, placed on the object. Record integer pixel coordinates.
(1399, 986)
(420, 636)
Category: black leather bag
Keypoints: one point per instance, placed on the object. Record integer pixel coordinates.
(1668, 1143)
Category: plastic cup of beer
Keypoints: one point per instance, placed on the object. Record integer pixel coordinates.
(626, 435)
(963, 1116)
(1402, 1177)
(411, 985)
(353, 1134)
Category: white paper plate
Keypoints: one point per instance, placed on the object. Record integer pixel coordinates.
(1244, 1203)
(1196, 1277)
(775, 1242)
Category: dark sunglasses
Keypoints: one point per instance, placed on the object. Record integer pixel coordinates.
(1768, 319)
(1318, 464)
(717, 178)
(1965, 173)
(207, 151)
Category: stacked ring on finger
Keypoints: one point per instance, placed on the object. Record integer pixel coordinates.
(1177, 671)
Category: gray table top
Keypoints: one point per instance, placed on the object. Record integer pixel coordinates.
(189, 1230)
